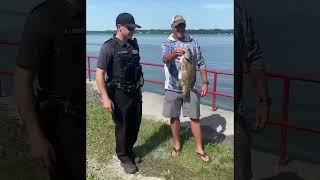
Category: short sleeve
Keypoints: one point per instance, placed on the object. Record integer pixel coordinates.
(105, 56)
(165, 48)
(35, 41)
(200, 60)
(254, 58)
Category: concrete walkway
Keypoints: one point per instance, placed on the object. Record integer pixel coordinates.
(220, 120)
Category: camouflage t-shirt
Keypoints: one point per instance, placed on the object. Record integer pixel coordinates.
(171, 68)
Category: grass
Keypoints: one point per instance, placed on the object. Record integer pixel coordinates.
(153, 145)
(19, 165)
(15, 158)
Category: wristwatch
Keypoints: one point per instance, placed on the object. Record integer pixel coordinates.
(206, 82)
(268, 100)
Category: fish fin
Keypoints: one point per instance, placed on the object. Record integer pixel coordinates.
(186, 94)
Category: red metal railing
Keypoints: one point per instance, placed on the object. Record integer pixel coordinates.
(9, 43)
(6, 72)
(281, 122)
(215, 73)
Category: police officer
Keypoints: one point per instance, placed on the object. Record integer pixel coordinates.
(50, 89)
(120, 89)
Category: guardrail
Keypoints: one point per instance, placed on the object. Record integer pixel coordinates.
(215, 73)
(6, 72)
(281, 122)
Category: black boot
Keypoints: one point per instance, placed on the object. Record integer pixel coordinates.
(135, 158)
(129, 167)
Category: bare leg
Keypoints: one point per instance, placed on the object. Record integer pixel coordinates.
(196, 131)
(175, 129)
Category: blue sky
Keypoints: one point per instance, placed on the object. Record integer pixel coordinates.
(152, 14)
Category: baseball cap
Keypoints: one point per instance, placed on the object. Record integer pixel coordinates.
(126, 19)
(178, 19)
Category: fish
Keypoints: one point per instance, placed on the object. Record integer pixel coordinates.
(187, 72)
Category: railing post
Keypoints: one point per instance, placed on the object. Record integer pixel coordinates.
(214, 96)
(89, 68)
(285, 111)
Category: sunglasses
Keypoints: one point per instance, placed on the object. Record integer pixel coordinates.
(180, 26)
(130, 28)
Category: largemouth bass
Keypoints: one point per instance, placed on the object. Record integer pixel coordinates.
(187, 73)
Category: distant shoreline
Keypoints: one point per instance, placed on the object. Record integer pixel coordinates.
(167, 31)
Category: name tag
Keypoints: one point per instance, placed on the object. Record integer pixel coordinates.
(135, 51)
(74, 30)
(123, 52)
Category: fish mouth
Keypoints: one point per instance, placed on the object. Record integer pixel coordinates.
(187, 59)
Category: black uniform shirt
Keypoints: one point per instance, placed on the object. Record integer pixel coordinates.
(107, 53)
(53, 47)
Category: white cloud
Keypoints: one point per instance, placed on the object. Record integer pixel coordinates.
(216, 6)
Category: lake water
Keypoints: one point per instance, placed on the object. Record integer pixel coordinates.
(216, 49)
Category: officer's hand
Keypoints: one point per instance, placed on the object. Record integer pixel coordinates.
(178, 51)
(42, 151)
(108, 104)
(262, 116)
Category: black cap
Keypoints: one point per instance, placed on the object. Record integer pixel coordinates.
(126, 19)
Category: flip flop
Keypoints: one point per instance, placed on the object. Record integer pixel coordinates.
(176, 151)
(204, 155)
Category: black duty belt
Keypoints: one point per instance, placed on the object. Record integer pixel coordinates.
(64, 104)
(124, 87)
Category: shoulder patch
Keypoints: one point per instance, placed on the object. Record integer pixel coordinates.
(135, 51)
(109, 41)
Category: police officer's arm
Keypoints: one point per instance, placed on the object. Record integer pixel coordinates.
(33, 45)
(26, 102)
(101, 83)
(102, 64)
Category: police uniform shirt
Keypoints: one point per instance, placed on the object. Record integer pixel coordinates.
(37, 48)
(34, 42)
(107, 53)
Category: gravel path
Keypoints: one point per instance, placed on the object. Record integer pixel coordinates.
(112, 170)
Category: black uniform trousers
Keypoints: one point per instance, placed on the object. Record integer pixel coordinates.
(66, 132)
(127, 118)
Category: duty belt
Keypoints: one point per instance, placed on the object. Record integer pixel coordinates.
(129, 88)
(64, 105)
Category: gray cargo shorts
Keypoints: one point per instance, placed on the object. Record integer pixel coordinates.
(173, 101)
